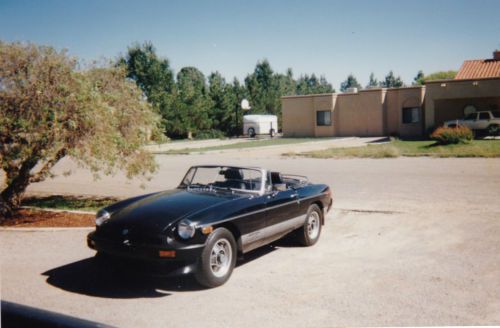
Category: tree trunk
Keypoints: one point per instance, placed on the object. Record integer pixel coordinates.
(10, 198)
(5, 210)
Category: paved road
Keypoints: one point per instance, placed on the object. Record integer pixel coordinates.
(412, 241)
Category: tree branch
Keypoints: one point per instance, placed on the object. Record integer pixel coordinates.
(45, 170)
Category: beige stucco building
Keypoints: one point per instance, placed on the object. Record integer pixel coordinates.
(406, 112)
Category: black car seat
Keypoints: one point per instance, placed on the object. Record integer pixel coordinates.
(276, 178)
(277, 181)
(234, 179)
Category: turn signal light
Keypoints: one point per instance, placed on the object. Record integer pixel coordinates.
(207, 230)
(170, 254)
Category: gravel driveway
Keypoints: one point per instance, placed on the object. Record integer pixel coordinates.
(411, 241)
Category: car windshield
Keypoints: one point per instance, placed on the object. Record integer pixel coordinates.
(223, 178)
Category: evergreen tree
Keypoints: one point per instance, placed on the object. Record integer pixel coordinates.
(350, 82)
(419, 79)
(222, 112)
(373, 81)
(192, 102)
(391, 81)
(155, 78)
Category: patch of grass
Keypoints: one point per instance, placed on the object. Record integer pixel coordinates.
(242, 145)
(396, 148)
(68, 202)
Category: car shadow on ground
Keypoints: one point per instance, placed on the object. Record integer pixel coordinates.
(98, 279)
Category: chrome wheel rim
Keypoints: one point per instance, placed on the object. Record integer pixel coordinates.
(221, 257)
(313, 225)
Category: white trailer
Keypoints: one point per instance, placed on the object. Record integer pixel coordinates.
(260, 124)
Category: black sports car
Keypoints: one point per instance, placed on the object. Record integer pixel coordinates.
(215, 213)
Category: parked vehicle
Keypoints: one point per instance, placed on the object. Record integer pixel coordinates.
(260, 124)
(483, 121)
(215, 213)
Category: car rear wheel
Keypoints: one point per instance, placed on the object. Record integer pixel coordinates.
(309, 233)
(493, 130)
(217, 260)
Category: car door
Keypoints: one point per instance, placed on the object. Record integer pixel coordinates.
(282, 215)
(471, 121)
(251, 222)
(483, 120)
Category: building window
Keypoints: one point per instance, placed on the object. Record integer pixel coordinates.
(323, 118)
(411, 115)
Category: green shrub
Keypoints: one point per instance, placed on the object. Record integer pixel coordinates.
(455, 135)
(210, 134)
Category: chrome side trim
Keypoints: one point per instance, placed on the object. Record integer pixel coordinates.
(275, 229)
(295, 200)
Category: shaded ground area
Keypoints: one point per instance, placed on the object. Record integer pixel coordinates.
(36, 218)
(33, 213)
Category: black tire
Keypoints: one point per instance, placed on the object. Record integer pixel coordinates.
(251, 132)
(493, 130)
(310, 232)
(220, 245)
(272, 133)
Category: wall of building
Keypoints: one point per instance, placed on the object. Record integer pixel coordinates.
(360, 114)
(324, 103)
(377, 112)
(298, 118)
(395, 100)
(372, 112)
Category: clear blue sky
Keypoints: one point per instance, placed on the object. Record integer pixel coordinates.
(330, 38)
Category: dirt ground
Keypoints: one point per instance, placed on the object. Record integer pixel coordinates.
(39, 218)
(410, 242)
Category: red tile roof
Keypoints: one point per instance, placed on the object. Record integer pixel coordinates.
(479, 69)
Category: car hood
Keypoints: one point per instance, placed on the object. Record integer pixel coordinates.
(154, 213)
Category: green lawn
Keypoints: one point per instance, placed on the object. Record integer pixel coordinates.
(243, 145)
(68, 202)
(396, 148)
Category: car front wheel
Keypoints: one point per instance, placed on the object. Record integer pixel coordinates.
(217, 260)
(309, 233)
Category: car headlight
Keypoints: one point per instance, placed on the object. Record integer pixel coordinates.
(186, 229)
(101, 217)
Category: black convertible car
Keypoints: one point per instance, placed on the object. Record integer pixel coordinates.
(216, 213)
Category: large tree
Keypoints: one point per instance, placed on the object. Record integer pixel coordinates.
(310, 84)
(391, 81)
(373, 82)
(262, 86)
(192, 102)
(419, 78)
(238, 92)
(350, 82)
(155, 77)
(439, 75)
(49, 110)
(222, 113)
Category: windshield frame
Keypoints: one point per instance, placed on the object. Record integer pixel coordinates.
(191, 173)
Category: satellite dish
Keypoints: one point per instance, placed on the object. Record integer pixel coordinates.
(245, 105)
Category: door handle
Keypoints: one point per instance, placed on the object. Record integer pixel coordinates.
(293, 196)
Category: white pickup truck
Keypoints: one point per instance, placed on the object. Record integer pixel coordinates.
(483, 121)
